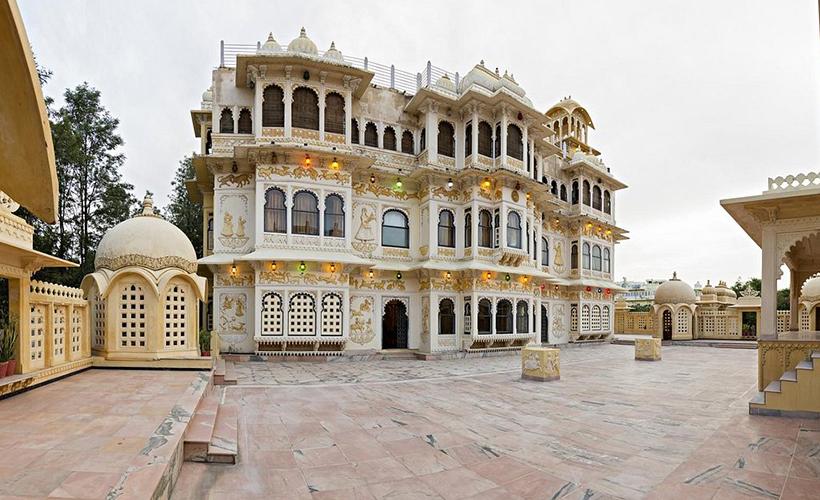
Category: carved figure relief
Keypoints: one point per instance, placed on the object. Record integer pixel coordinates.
(367, 216)
(559, 256)
(361, 320)
(232, 309)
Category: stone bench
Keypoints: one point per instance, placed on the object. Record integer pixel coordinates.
(648, 349)
(540, 363)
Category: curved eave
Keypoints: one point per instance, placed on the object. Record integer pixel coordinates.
(26, 258)
(570, 110)
(199, 116)
(27, 170)
(303, 61)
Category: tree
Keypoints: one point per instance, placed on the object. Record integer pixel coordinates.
(752, 283)
(640, 307)
(182, 212)
(783, 300)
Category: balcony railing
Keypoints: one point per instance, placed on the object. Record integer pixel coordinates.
(384, 75)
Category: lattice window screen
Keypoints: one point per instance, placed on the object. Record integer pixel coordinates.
(175, 317)
(573, 319)
(38, 335)
(76, 329)
(58, 335)
(99, 321)
(332, 314)
(272, 316)
(302, 315)
(596, 318)
(132, 317)
(605, 319)
(585, 319)
(683, 321)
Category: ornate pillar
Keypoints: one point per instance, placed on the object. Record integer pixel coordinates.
(431, 125)
(474, 133)
(258, 94)
(768, 287)
(525, 142)
(288, 88)
(236, 110)
(504, 122)
(348, 83)
(322, 78)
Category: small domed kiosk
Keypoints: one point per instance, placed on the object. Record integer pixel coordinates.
(674, 308)
(810, 304)
(144, 293)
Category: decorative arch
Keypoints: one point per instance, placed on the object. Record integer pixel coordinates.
(272, 320)
(354, 131)
(503, 317)
(305, 108)
(245, 123)
(275, 213)
(446, 228)
(446, 316)
(335, 117)
(407, 142)
(395, 229)
(332, 315)
(607, 202)
(273, 106)
(302, 314)
(334, 216)
(515, 142)
(305, 213)
(226, 121)
(485, 139)
(485, 316)
(513, 229)
(522, 319)
(596, 198)
(179, 310)
(446, 139)
(371, 135)
(389, 138)
(587, 194)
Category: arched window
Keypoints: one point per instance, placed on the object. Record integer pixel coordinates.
(245, 122)
(354, 132)
(515, 142)
(563, 192)
(276, 215)
(446, 317)
(513, 230)
(607, 203)
(485, 139)
(585, 255)
(554, 188)
(132, 331)
(573, 261)
(331, 322)
(596, 258)
(334, 216)
(595, 319)
(468, 319)
(446, 229)
(371, 135)
(272, 316)
(210, 232)
(503, 317)
(468, 140)
(395, 229)
(226, 121)
(407, 142)
(389, 138)
(605, 318)
(446, 139)
(574, 192)
(273, 107)
(607, 264)
(485, 317)
(305, 109)
(522, 319)
(468, 229)
(423, 140)
(334, 113)
(305, 213)
(497, 141)
(302, 315)
(586, 194)
(485, 229)
(596, 198)
(585, 318)
(176, 320)
(545, 252)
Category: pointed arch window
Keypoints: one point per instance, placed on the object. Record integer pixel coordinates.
(554, 188)
(389, 138)
(226, 121)
(587, 196)
(574, 256)
(468, 229)
(395, 229)
(585, 255)
(273, 107)
(354, 132)
(446, 229)
(563, 192)
(334, 216)
(596, 198)
(334, 113)
(545, 252)
(574, 192)
(607, 202)
(607, 264)
(513, 230)
(407, 142)
(485, 229)
(245, 122)
(522, 319)
(305, 213)
(275, 213)
(515, 144)
(485, 139)
(485, 317)
(446, 139)
(446, 317)
(305, 109)
(503, 317)
(371, 135)
(596, 258)
(468, 140)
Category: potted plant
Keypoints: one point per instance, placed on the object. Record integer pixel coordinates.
(205, 342)
(8, 343)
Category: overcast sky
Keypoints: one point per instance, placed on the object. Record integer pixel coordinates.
(693, 101)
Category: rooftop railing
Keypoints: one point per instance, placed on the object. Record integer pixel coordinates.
(383, 75)
(794, 182)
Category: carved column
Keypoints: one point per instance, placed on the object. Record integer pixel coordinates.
(258, 94)
(768, 291)
(431, 124)
(474, 132)
(504, 122)
(322, 94)
(288, 103)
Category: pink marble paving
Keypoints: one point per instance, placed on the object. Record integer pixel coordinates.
(612, 427)
(76, 437)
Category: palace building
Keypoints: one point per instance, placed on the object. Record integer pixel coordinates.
(352, 207)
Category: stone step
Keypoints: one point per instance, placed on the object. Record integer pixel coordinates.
(224, 444)
(219, 372)
(230, 373)
(199, 433)
(774, 386)
(758, 399)
(790, 376)
(805, 365)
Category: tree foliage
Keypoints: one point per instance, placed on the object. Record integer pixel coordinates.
(755, 284)
(181, 211)
(640, 307)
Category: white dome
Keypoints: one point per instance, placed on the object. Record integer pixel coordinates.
(270, 46)
(811, 290)
(208, 95)
(480, 76)
(674, 291)
(146, 240)
(508, 82)
(303, 45)
(445, 83)
(333, 53)
(725, 291)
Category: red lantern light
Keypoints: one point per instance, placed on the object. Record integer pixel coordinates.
(589, 289)
(607, 291)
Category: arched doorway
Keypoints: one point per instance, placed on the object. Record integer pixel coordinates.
(816, 318)
(545, 326)
(394, 325)
(667, 325)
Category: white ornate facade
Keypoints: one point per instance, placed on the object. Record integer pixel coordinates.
(343, 214)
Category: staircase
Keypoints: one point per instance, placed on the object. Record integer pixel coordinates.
(212, 434)
(224, 372)
(797, 393)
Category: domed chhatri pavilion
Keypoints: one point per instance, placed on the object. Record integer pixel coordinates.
(675, 309)
(145, 292)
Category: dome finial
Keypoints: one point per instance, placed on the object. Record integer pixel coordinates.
(674, 275)
(148, 205)
(303, 33)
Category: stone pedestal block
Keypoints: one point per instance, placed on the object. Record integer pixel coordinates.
(540, 363)
(648, 349)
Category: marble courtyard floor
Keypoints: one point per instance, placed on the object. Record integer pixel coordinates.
(77, 437)
(610, 428)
